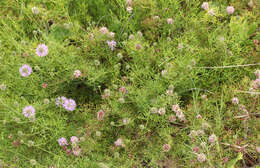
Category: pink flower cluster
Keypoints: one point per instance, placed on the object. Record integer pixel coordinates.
(29, 112)
(178, 112)
(256, 83)
(111, 44)
(74, 143)
(67, 104)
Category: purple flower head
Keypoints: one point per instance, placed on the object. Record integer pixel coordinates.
(60, 100)
(100, 115)
(235, 100)
(62, 141)
(230, 10)
(42, 50)
(211, 12)
(35, 10)
(172, 118)
(205, 5)
(77, 74)
(166, 147)
(257, 74)
(129, 9)
(212, 138)
(29, 111)
(119, 142)
(25, 70)
(74, 139)
(69, 104)
(103, 30)
(169, 21)
(201, 157)
(111, 44)
(76, 151)
(161, 111)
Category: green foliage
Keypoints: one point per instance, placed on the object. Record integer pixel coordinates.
(154, 65)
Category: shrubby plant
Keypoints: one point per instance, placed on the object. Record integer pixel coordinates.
(97, 83)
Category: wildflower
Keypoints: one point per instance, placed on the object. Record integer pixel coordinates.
(204, 97)
(107, 93)
(46, 101)
(156, 17)
(42, 50)
(205, 125)
(96, 62)
(230, 9)
(126, 121)
(111, 44)
(169, 21)
(200, 132)
(2, 86)
(140, 34)
(74, 139)
(251, 3)
(161, 111)
(235, 100)
(138, 46)
(100, 115)
(129, 2)
(225, 159)
(166, 147)
(129, 9)
(69, 104)
(123, 90)
(119, 142)
(60, 100)
(258, 149)
(103, 30)
(205, 5)
(164, 72)
(198, 116)
(91, 36)
(121, 100)
(154, 110)
(193, 134)
(256, 42)
(243, 108)
(33, 162)
(203, 144)
(131, 37)
(30, 143)
(169, 92)
(77, 74)
(211, 12)
(119, 56)
(16, 143)
(76, 151)
(201, 157)
(25, 70)
(62, 141)
(29, 111)
(172, 118)
(98, 133)
(257, 74)
(196, 149)
(35, 10)
(112, 34)
(180, 46)
(44, 85)
(141, 126)
(212, 138)
(256, 83)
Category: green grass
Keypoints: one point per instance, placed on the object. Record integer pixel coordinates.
(195, 51)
